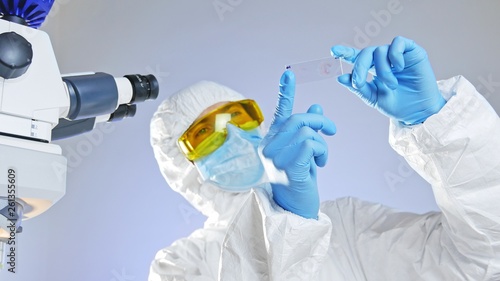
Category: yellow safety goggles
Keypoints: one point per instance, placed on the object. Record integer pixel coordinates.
(209, 132)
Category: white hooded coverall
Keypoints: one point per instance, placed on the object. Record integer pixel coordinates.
(248, 237)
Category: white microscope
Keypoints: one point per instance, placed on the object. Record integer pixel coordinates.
(39, 105)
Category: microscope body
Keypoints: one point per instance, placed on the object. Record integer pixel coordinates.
(39, 105)
(32, 169)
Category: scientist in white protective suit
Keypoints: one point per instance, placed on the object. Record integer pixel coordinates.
(205, 139)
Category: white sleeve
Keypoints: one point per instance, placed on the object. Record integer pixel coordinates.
(265, 242)
(195, 258)
(458, 151)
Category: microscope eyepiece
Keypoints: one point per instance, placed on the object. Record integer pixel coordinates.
(123, 111)
(145, 87)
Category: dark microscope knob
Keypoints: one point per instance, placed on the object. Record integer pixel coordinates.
(16, 54)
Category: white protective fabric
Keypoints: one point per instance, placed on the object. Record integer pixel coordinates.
(457, 151)
(197, 256)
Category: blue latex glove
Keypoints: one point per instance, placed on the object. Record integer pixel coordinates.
(294, 146)
(404, 87)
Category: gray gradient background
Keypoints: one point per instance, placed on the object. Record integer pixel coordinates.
(118, 211)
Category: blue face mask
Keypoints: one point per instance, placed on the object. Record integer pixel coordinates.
(235, 166)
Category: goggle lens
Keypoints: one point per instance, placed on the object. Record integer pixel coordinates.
(208, 132)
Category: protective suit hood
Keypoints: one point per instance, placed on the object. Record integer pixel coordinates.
(171, 119)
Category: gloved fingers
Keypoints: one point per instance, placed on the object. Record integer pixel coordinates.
(315, 108)
(315, 121)
(292, 138)
(345, 80)
(275, 145)
(383, 67)
(300, 156)
(363, 63)
(385, 95)
(399, 46)
(320, 152)
(274, 142)
(367, 93)
(286, 97)
(284, 144)
(347, 53)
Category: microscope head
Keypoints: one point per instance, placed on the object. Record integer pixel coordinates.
(31, 13)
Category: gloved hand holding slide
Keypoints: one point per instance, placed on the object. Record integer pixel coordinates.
(405, 87)
(294, 145)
